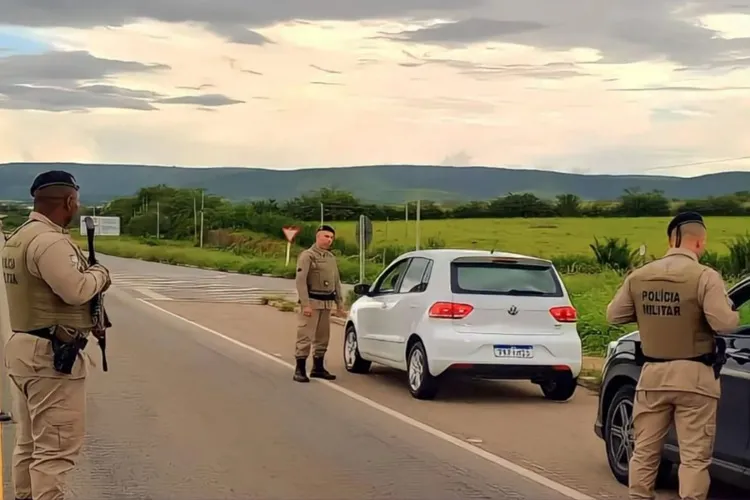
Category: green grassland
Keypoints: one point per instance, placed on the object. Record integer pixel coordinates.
(542, 237)
(590, 293)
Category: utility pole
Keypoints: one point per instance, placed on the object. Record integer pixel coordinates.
(202, 206)
(406, 218)
(321, 213)
(418, 217)
(157, 221)
(195, 221)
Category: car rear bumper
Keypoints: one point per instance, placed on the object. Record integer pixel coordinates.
(475, 352)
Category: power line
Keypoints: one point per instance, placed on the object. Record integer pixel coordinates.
(696, 163)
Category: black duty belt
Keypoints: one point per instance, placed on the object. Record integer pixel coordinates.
(322, 296)
(706, 359)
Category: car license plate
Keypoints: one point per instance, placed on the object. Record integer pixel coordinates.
(514, 351)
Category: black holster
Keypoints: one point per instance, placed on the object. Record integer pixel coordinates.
(65, 354)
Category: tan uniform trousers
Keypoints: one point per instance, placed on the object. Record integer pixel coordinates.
(314, 329)
(50, 415)
(49, 409)
(694, 416)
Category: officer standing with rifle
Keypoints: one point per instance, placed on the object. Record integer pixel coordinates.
(50, 286)
(319, 289)
(679, 305)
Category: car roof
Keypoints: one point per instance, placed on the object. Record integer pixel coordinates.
(450, 254)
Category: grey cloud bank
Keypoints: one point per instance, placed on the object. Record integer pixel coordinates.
(56, 81)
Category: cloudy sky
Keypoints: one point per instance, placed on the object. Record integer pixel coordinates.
(606, 86)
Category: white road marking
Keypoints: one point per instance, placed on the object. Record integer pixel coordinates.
(490, 457)
(151, 294)
(215, 288)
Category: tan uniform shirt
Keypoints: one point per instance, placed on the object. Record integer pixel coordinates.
(717, 308)
(54, 268)
(5, 330)
(318, 273)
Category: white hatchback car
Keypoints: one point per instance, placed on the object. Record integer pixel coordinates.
(486, 314)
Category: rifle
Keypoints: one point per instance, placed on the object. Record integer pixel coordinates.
(101, 319)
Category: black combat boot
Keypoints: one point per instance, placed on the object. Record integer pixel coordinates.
(318, 371)
(299, 372)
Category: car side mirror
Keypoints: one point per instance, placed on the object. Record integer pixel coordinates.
(362, 289)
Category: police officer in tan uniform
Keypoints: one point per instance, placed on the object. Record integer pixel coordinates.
(49, 285)
(319, 289)
(4, 316)
(679, 304)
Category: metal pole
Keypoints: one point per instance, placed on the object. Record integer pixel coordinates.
(202, 206)
(417, 222)
(157, 220)
(361, 248)
(406, 218)
(321, 213)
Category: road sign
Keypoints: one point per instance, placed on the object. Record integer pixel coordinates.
(103, 226)
(290, 232)
(366, 223)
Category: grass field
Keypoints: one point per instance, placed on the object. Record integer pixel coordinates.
(590, 293)
(543, 237)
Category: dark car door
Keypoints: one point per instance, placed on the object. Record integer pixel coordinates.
(733, 425)
(732, 446)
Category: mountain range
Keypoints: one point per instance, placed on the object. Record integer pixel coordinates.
(376, 184)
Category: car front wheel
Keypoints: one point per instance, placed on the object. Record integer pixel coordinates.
(422, 384)
(618, 436)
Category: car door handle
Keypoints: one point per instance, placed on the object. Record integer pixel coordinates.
(741, 356)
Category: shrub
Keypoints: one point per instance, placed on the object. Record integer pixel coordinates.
(614, 254)
(738, 262)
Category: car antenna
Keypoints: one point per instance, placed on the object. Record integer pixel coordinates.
(492, 252)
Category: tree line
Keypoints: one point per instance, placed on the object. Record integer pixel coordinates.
(179, 210)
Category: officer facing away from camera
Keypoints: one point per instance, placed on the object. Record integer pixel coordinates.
(679, 305)
(319, 289)
(49, 285)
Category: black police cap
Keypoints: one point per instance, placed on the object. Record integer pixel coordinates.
(684, 218)
(53, 178)
(326, 227)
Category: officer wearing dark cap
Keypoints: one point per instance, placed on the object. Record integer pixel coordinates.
(679, 305)
(319, 290)
(49, 285)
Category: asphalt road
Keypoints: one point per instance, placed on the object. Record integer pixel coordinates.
(186, 414)
(199, 403)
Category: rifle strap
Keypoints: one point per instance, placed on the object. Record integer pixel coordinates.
(104, 356)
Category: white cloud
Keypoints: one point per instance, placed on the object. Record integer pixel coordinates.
(339, 93)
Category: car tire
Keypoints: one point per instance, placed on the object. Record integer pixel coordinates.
(353, 361)
(560, 387)
(621, 408)
(422, 385)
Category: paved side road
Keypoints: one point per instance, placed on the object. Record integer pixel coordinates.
(186, 415)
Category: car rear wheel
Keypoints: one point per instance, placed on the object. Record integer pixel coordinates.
(353, 362)
(618, 436)
(422, 384)
(559, 387)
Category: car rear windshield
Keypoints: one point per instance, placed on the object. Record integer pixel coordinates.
(493, 278)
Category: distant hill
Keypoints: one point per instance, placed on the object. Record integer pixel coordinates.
(388, 183)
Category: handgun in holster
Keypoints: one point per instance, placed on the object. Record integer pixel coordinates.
(65, 352)
(719, 355)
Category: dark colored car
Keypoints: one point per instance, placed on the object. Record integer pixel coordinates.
(731, 459)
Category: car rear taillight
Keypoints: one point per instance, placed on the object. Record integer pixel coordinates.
(450, 310)
(564, 314)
